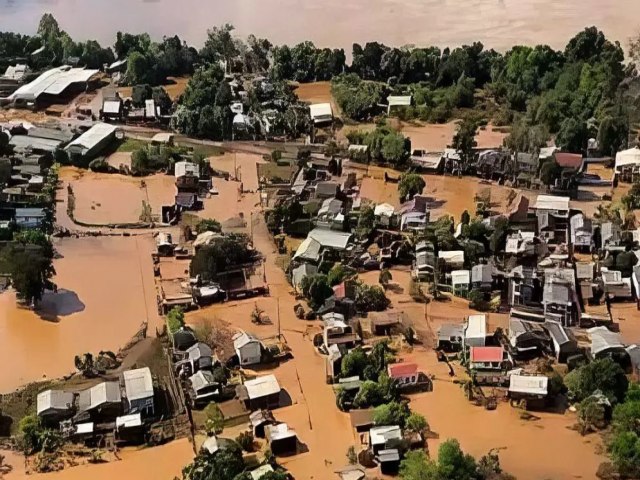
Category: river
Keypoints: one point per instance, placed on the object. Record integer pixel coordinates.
(498, 24)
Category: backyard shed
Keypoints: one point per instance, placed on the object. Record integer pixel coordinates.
(259, 393)
(138, 386)
(475, 331)
(248, 348)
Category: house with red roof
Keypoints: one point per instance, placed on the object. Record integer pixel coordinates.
(569, 160)
(404, 373)
(487, 358)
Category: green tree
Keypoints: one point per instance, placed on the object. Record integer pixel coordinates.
(369, 395)
(410, 185)
(208, 225)
(225, 253)
(613, 133)
(338, 273)
(225, 464)
(631, 200)
(550, 172)
(175, 319)
(366, 221)
(392, 413)
(354, 363)
(417, 466)
(417, 423)
(316, 289)
(221, 46)
(370, 298)
(454, 464)
(604, 375)
(591, 415)
(464, 140)
(625, 454)
(573, 135)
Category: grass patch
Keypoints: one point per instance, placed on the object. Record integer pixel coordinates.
(131, 144)
(272, 171)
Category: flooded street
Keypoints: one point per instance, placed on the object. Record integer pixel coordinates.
(105, 293)
(498, 24)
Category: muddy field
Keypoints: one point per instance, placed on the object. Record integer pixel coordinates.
(103, 198)
(174, 86)
(164, 462)
(450, 195)
(105, 292)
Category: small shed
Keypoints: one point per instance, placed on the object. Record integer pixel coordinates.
(259, 420)
(260, 393)
(54, 405)
(563, 340)
(383, 323)
(389, 460)
(164, 244)
(362, 419)
(282, 440)
(138, 386)
(200, 356)
(475, 331)
(248, 348)
(203, 386)
(321, 113)
(450, 337)
(528, 386)
(379, 437)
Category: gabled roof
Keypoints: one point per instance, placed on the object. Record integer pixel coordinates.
(138, 383)
(92, 137)
(398, 370)
(199, 350)
(243, 338)
(103, 393)
(53, 82)
(476, 326)
(486, 354)
(603, 339)
(531, 384)
(551, 202)
(54, 400)
(262, 386)
(330, 238)
(569, 160)
(309, 249)
(381, 435)
(201, 379)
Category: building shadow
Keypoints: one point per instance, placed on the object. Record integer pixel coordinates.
(285, 399)
(60, 303)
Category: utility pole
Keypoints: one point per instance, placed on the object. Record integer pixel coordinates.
(278, 306)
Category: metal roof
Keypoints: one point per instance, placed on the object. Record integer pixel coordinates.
(51, 133)
(186, 168)
(244, 338)
(138, 383)
(128, 421)
(259, 472)
(111, 106)
(16, 72)
(330, 238)
(199, 350)
(54, 400)
(603, 339)
(320, 110)
(105, 392)
(460, 277)
(628, 157)
(384, 209)
(297, 274)
(381, 435)
(399, 100)
(476, 326)
(452, 256)
(53, 82)
(201, 379)
(486, 354)
(551, 202)
(279, 431)
(262, 386)
(532, 384)
(92, 137)
(30, 212)
(25, 142)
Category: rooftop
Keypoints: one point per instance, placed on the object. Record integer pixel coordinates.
(486, 354)
(531, 384)
(105, 392)
(138, 383)
(397, 370)
(262, 386)
(54, 399)
(92, 137)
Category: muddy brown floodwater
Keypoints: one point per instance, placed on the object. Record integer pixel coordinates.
(105, 292)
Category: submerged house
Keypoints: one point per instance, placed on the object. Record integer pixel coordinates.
(102, 400)
(282, 440)
(203, 386)
(528, 388)
(138, 386)
(475, 331)
(552, 213)
(563, 341)
(381, 438)
(248, 348)
(527, 338)
(405, 374)
(487, 358)
(450, 337)
(581, 232)
(260, 393)
(54, 405)
(92, 142)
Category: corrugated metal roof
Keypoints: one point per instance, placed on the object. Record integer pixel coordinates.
(54, 400)
(628, 157)
(138, 383)
(186, 168)
(262, 386)
(111, 106)
(486, 354)
(105, 392)
(243, 338)
(381, 435)
(552, 202)
(603, 339)
(532, 384)
(34, 143)
(399, 100)
(53, 82)
(320, 110)
(92, 137)
(331, 238)
(452, 256)
(460, 277)
(201, 379)
(476, 326)
(309, 249)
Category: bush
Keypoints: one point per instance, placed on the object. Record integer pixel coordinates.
(371, 298)
(208, 225)
(410, 185)
(245, 440)
(603, 375)
(392, 413)
(417, 423)
(175, 320)
(215, 420)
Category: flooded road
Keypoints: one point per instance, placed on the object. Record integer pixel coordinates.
(498, 24)
(106, 292)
